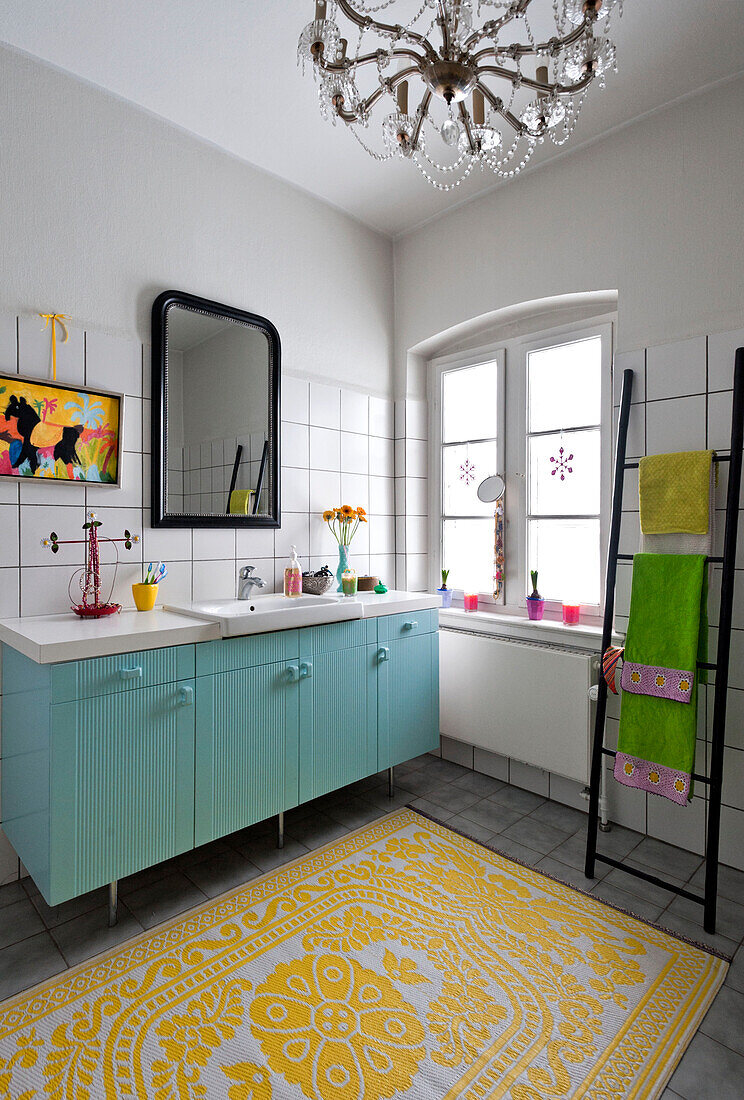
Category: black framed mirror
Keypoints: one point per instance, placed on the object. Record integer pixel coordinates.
(215, 415)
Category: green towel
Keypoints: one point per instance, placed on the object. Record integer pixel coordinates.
(668, 630)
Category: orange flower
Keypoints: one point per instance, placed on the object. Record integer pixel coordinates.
(362, 519)
(328, 515)
(347, 511)
(360, 512)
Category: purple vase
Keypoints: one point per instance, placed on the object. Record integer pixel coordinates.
(535, 608)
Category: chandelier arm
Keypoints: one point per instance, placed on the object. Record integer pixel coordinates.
(365, 59)
(366, 21)
(423, 107)
(444, 28)
(495, 25)
(498, 106)
(371, 100)
(554, 45)
(546, 89)
(465, 117)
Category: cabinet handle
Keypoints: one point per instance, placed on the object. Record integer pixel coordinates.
(383, 654)
(410, 625)
(306, 670)
(131, 673)
(186, 696)
(294, 673)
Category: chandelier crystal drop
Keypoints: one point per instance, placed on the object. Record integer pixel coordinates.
(470, 67)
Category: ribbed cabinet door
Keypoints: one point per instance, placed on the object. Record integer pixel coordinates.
(409, 700)
(339, 720)
(246, 748)
(122, 785)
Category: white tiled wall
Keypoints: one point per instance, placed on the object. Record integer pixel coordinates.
(337, 448)
(681, 401)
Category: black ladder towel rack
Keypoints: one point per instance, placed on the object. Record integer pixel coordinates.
(721, 665)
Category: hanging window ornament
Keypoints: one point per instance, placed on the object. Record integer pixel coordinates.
(467, 471)
(561, 464)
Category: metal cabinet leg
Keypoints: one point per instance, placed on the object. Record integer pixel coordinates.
(112, 903)
(280, 834)
(391, 782)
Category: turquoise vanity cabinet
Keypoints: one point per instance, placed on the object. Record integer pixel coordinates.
(112, 764)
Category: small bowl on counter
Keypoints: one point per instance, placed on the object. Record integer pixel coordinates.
(316, 586)
(367, 584)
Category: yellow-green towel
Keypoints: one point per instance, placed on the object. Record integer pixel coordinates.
(240, 500)
(674, 492)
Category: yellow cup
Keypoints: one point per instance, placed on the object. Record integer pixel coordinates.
(145, 596)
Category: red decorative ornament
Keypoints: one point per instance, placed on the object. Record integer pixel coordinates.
(91, 606)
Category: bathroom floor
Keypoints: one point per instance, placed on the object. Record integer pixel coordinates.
(37, 942)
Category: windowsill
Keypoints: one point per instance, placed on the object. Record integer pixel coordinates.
(582, 636)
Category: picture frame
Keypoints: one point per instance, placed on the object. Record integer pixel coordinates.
(58, 431)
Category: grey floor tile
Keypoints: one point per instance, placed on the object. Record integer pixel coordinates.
(52, 915)
(694, 931)
(492, 815)
(88, 935)
(420, 783)
(730, 882)
(12, 891)
(439, 813)
(446, 771)
(725, 1020)
(573, 851)
(630, 903)
(161, 900)
(18, 921)
(618, 843)
(470, 828)
(542, 838)
(571, 875)
(315, 831)
(259, 831)
(221, 872)
(28, 962)
(198, 855)
(268, 857)
(379, 797)
(709, 1071)
(353, 812)
(147, 876)
(560, 817)
(656, 895)
(665, 857)
(517, 799)
(735, 976)
(453, 798)
(479, 784)
(729, 916)
(512, 849)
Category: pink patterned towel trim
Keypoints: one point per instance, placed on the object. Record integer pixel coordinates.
(631, 771)
(664, 683)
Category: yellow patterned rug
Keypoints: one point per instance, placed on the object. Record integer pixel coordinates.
(402, 961)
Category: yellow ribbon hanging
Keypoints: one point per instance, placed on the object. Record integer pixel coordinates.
(55, 318)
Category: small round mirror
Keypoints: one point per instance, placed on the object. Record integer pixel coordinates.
(492, 489)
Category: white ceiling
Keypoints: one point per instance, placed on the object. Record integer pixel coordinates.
(225, 70)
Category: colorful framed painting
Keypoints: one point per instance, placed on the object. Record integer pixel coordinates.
(57, 431)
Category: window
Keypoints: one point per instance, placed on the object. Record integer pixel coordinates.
(536, 411)
(471, 406)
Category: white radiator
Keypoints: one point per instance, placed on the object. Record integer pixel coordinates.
(521, 699)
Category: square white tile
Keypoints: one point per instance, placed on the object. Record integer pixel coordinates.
(719, 420)
(132, 434)
(254, 542)
(417, 496)
(168, 544)
(129, 495)
(294, 531)
(382, 496)
(635, 446)
(417, 568)
(37, 523)
(325, 449)
(295, 445)
(9, 535)
(677, 369)
(416, 458)
(9, 592)
(44, 589)
(354, 411)
(176, 588)
(721, 350)
(113, 363)
(417, 535)
(381, 457)
(383, 566)
(213, 543)
(325, 406)
(416, 419)
(354, 453)
(355, 490)
(677, 425)
(381, 417)
(325, 490)
(214, 580)
(295, 399)
(382, 534)
(295, 490)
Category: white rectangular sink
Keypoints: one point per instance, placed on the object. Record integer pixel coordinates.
(271, 612)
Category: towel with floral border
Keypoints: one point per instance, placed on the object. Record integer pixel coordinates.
(667, 634)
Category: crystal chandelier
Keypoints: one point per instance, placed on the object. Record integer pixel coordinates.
(474, 83)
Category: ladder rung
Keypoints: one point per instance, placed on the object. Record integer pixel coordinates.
(707, 664)
(651, 878)
(716, 458)
(629, 557)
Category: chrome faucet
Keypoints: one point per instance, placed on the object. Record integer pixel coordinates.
(248, 582)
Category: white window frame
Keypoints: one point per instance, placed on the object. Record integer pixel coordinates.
(512, 445)
(494, 353)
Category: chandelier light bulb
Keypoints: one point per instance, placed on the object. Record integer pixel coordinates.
(455, 78)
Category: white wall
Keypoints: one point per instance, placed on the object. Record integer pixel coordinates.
(102, 207)
(654, 211)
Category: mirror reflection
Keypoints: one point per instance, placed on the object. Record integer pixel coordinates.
(218, 415)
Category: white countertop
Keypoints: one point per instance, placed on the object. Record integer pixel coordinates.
(49, 639)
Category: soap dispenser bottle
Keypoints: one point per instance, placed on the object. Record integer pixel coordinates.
(293, 576)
